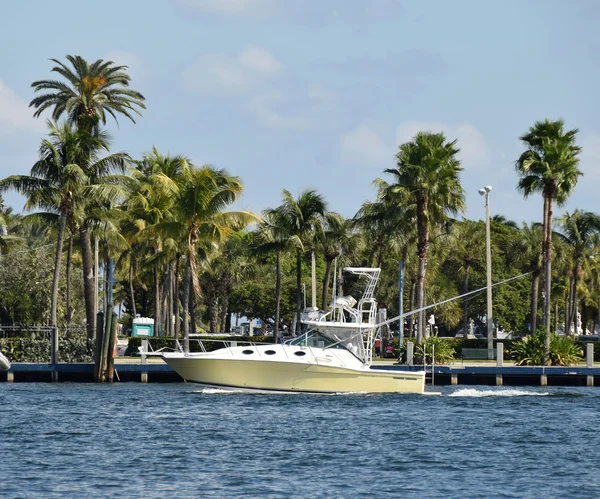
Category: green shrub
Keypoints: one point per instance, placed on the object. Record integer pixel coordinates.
(77, 349)
(444, 350)
(564, 351)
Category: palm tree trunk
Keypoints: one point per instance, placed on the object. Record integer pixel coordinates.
(298, 289)
(422, 247)
(69, 316)
(187, 280)
(277, 297)
(88, 280)
(548, 273)
(164, 305)
(535, 284)
(325, 294)
(224, 312)
(411, 301)
(55, 278)
(131, 293)
(213, 310)
(170, 298)
(157, 322)
(192, 305)
(556, 317)
(466, 302)
(568, 307)
(574, 307)
(176, 294)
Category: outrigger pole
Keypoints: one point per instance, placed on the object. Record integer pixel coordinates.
(416, 311)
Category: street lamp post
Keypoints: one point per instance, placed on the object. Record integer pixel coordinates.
(490, 328)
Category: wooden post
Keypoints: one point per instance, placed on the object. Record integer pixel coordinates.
(454, 379)
(10, 377)
(54, 345)
(110, 369)
(144, 378)
(105, 344)
(544, 380)
(99, 341)
(589, 354)
(499, 362)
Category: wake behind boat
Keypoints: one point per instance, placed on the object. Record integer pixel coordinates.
(333, 355)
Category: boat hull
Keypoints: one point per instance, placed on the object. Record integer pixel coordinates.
(292, 377)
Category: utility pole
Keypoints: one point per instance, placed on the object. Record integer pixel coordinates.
(490, 326)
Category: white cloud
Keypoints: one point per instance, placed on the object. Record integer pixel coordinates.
(15, 113)
(217, 73)
(263, 104)
(474, 151)
(136, 68)
(230, 7)
(364, 146)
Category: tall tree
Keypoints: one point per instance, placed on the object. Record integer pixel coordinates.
(86, 94)
(526, 250)
(200, 218)
(276, 236)
(59, 184)
(550, 166)
(579, 230)
(428, 173)
(302, 218)
(340, 238)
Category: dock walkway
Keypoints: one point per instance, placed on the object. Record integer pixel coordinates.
(473, 373)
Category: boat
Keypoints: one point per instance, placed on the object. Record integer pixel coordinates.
(333, 354)
(4, 363)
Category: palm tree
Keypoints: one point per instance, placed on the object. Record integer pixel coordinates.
(200, 218)
(153, 189)
(550, 166)
(60, 185)
(527, 251)
(469, 252)
(7, 240)
(276, 236)
(427, 173)
(579, 230)
(88, 93)
(91, 91)
(302, 218)
(340, 238)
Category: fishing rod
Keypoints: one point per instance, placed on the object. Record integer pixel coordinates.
(416, 311)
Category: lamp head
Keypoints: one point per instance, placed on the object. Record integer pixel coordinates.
(481, 192)
(488, 188)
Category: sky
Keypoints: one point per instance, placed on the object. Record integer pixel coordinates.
(297, 94)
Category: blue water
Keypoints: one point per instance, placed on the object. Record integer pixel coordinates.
(176, 440)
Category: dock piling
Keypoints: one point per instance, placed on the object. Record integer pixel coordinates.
(409, 353)
(144, 376)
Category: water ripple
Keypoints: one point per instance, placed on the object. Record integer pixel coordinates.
(173, 440)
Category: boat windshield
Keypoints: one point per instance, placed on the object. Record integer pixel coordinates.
(315, 339)
(348, 341)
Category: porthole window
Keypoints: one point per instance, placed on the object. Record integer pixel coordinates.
(270, 352)
(247, 352)
(300, 353)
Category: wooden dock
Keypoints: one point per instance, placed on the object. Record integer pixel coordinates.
(159, 372)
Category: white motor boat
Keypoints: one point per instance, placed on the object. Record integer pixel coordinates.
(333, 355)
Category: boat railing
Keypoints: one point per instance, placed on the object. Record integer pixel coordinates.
(208, 344)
